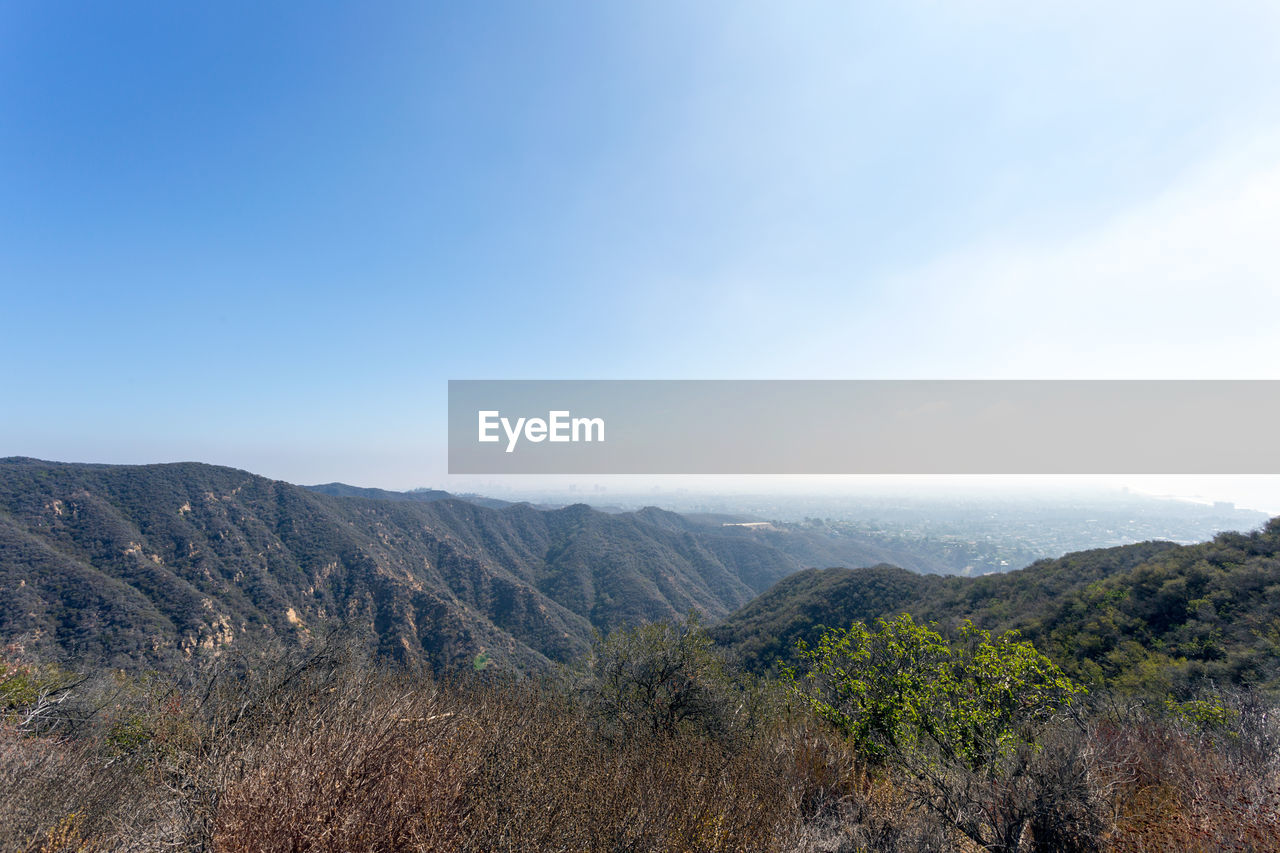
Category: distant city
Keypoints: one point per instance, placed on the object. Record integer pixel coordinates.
(972, 535)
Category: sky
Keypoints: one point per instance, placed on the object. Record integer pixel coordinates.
(266, 235)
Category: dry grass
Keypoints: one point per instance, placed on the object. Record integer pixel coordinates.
(1190, 791)
(507, 768)
(328, 754)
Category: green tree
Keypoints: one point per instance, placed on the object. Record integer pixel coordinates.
(903, 688)
(959, 720)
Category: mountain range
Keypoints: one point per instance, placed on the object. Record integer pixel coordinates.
(138, 565)
(142, 566)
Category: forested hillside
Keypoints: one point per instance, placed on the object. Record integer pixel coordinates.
(342, 490)
(139, 565)
(1154, 615)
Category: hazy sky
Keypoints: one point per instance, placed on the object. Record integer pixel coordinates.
(265, 235)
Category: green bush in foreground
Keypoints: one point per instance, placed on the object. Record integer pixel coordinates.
(903, 688)
(962, 720)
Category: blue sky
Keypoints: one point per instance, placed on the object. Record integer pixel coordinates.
(265, 235)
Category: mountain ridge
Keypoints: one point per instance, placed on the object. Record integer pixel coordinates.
(139, 566)
(144, 563)
(1151, 615)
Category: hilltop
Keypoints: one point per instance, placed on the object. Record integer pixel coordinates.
(1153, 615)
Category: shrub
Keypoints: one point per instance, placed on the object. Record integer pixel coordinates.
(323, 750)
(903, 690)
(959, 720)
(659, 679)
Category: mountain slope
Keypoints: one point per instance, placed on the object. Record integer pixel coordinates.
(342, 490)
(135, 565)
(1151, 614)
